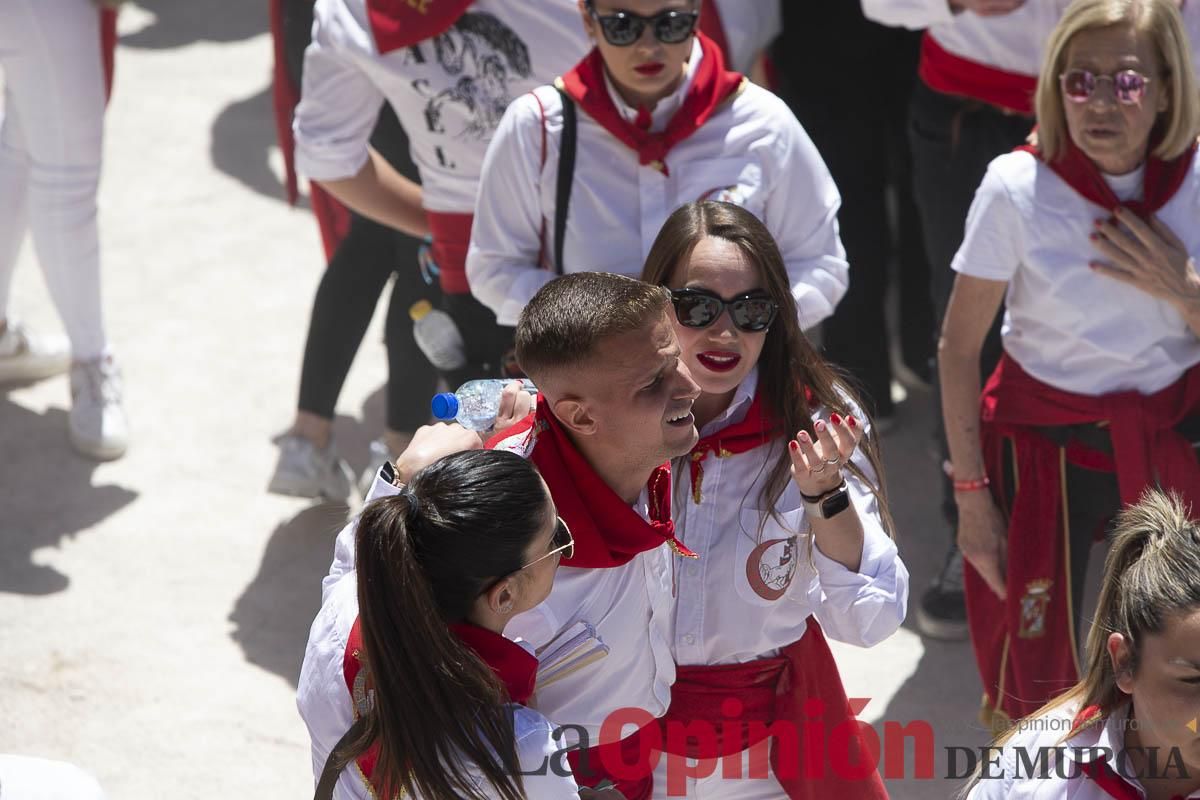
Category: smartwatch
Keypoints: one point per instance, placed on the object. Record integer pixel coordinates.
(829, 504)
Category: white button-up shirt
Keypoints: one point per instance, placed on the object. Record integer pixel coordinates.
(779, 577)
(751, 152)
(449, 92)
(1064, 324)
(630, 607)
(1010, 779)
(326, 705)
(1013, 42)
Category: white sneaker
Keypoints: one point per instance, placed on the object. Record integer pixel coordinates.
(97, 423)
(305, 471)
(27, 357)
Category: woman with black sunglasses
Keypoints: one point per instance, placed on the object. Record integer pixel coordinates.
(409, 687)
(581, 175)
(1090, 240)
(782, 495)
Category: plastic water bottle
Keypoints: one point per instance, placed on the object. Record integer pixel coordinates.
(438, 337)
(475, 404)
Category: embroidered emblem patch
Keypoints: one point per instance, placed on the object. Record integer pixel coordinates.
(1033, 609)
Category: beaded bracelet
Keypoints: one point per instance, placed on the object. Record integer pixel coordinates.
(972, 486)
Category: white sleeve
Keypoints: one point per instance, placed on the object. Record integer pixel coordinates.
(502, 263)
(542, 758)
(339, 104)
(865, 607)
(343, 546)
(991, 244)
(911, 14)
(801, 212)
(750, 27)
(322, 698)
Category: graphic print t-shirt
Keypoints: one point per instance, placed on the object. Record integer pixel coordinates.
(449, 91)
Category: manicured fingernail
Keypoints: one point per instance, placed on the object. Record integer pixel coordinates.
(1093, 236)
(820, 426)
(793, 446)
(803, 436)
(1098, 222)
(835, 419)
(851, 421)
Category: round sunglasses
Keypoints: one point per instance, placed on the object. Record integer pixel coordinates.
(752, 312)
(623, 28)
(1128, 85)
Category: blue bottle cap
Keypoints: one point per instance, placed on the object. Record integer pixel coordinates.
(444, 405)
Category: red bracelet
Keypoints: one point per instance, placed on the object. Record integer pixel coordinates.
(972, 486)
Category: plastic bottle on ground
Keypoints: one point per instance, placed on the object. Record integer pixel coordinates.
(438, 337)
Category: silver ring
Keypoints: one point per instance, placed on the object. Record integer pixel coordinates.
(837, 461)
(814, 470)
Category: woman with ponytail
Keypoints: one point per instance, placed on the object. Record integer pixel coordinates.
(1089, 237)
(1128, 728)
(409, 687)
(783, 497)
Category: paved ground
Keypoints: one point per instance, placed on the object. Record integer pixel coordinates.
(153, 611)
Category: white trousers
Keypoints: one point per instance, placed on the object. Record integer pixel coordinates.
(718, 786)
(51, 141)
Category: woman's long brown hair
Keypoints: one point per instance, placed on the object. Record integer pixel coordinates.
(422, 559)
(788, 362)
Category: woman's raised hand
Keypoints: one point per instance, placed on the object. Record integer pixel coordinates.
(817, 465)
(1148, 256)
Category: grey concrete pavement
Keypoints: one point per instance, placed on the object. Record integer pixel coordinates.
(153, 611)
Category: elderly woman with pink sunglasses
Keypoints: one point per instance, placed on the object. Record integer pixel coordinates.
(1090, 239)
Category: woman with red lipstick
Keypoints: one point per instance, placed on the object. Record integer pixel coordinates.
(781, 495)
(1090, 239)
(581, 175)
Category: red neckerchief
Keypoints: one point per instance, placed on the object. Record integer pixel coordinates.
(608, 533)
(711, 86)
(1099, 770)
(396, 24)
(755, 430)
(513, 665)
(1159, 183)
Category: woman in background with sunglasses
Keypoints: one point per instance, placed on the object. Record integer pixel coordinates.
(1090, 239)
(661, 122)
(408, 680)
(799, 525)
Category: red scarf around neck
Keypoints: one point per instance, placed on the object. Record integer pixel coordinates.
(1098, 770)
(608, 532)
(1159, 183)
(512, 664)
(711, 86)
(397, 24)
(754, 431)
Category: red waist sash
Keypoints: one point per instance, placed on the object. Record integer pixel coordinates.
(1147, 450)
(784, 689)
(451, 237)
(948, 73)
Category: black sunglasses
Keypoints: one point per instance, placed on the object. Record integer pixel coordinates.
(752, 312)
(623, 28)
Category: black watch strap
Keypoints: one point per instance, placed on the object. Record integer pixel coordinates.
(816, 498)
